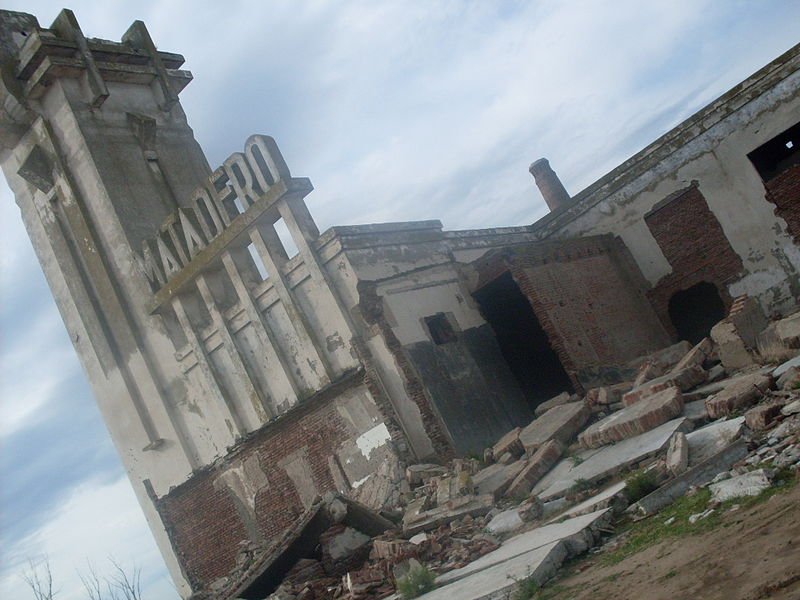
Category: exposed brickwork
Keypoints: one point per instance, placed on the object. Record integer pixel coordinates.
(372, 310)
(201, 518)
(783, 191)
(588, 298)
(693, 242)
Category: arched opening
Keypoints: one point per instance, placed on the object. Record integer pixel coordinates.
(696, 310)
(523, 343)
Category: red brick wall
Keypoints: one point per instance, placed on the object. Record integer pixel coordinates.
(693, 242)
(203, 523)
(589, 298)
(783, 191)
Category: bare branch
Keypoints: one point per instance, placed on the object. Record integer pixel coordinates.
(39, 579)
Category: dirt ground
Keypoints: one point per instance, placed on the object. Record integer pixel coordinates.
(753, 553)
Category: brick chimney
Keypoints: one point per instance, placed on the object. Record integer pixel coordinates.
(549, 184)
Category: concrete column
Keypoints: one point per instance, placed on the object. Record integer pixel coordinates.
(549, 184)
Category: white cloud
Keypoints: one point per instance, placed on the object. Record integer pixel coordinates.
(97, 521)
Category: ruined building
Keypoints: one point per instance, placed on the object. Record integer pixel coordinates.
(240, 378)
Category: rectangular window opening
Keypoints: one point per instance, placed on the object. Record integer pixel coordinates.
(440, 329)
(286, 238)
(778, 154)
(262, 270)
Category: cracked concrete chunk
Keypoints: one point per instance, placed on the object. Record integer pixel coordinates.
(740, 393)
(749, 484)
(634, 420)
(560, 423)
(535, 468)
(684, 380)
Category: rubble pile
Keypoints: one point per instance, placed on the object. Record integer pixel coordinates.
(719, 414)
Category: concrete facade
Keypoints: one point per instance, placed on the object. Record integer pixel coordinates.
(240, 382)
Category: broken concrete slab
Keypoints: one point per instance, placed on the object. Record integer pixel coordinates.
(634, 420)
(738, 394)
(783, 367)
(697, 475)
(561, 424)
(665, 358)
(536, 553)
(736, 335)
(781, 339)
(760, 417)
(420, 473)
(696, 356)
(695, 411)
(562, 398)
(612, 497)
(457, 508)
(707, 441)
(535, 468)
(791, 409)
(496, 478)
(748, 484)
(597, 465)
(685, 379)
(789, 380)
(505, 522)
(509, 443)
(678, 454)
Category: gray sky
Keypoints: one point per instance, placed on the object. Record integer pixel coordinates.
(396, 111)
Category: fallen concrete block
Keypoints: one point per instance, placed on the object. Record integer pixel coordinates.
(535, 554)
(707, 441)
(736, 335)
(505, 522)
(421, 473)
(740, 393)
(748, 484)
(781, 339)
(664, 358)
(612, 497)
(509, 443)
(633, 420)
(678, 454)
(598, 464)
(790, 380)
(791, 409)
(561, 424)
(685, 379)
(535, 468)
(695, 411)
(696, 356)
(608, 394)
(697, 475)
(760, 417)
(562, 398)
(496, 478)
(473, 506)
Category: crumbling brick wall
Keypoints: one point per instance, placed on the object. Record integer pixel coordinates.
(588, 296)
(783, 191)
(692, 240)
(202, 517)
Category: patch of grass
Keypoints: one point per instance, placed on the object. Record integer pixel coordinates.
(670, 575)
(419, 580)
(580, 485)
(526, 589)
(639, 484)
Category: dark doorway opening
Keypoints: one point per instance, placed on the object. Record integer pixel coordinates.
(696, 310)
(522, 340)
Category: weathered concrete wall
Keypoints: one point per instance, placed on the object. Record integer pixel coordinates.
(710, 148)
